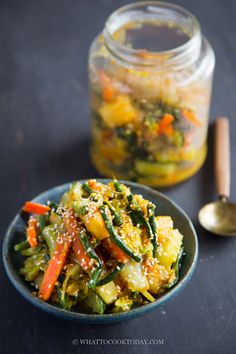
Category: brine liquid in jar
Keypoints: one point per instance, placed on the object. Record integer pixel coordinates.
(150, 74)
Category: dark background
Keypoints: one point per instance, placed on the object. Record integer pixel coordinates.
(44, 127)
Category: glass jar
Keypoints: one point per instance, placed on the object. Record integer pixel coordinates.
(150, 76)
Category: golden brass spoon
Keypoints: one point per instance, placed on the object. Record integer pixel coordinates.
(220, 217)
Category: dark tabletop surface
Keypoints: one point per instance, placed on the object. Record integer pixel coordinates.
(44, 127)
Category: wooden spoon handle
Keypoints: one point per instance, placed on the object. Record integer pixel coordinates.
(222, 157)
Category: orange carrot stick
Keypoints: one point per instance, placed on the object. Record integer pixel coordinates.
(81, 255)
(115, 251)
(31, 232)
(190, 116)
(108, 93)
(58, 260)
(95, 185)
(54, 269)
(167, 119)
(106, 84)
(164, 126)
(35, 208)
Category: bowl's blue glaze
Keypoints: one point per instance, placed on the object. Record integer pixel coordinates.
(13, 260)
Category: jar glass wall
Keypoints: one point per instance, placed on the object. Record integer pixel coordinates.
(150, 79)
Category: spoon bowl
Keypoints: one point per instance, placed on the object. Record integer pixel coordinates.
(219, 218)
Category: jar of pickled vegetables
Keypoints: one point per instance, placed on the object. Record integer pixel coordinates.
(150, 76)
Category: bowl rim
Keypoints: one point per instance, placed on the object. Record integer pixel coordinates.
(96, 318)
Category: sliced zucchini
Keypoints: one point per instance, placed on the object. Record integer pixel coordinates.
(147, 168)
(95, 303)
(73, 194)
(108, 292)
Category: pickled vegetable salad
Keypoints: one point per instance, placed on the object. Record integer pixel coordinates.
(100, 250)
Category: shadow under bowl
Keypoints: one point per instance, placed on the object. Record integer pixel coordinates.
(165, 206)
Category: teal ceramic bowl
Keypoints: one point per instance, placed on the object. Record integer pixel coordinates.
(13, 260)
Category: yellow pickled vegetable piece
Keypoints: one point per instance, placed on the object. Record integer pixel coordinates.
(168, 155)
(118, 112)
(158, 276)
(164, 222)
(148, 295)
(114, 150)
(73, 288)
(108, 292)
(74, 194)
(132, 273)
(188, 155)
(169, 92)
(141, 202)
(94, 222)
(170, 242)
(124, 303)
(131, 236)
(148, 168)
